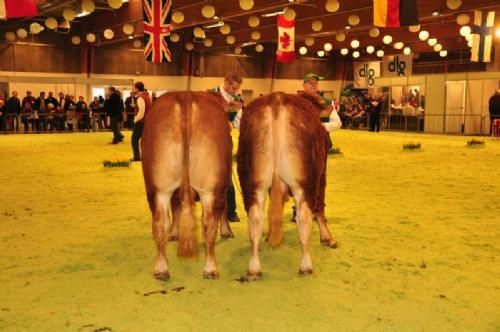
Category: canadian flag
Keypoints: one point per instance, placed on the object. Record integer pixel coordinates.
(17, 8)
(286, 40)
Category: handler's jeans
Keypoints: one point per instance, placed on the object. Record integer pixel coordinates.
(136, 136)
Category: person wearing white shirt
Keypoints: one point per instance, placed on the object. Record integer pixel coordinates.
(143, 103)
(234, 106)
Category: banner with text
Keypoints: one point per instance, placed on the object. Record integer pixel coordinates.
(397, 65)
(365, 74)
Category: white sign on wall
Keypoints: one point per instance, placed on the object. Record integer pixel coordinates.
(397, 65)
(365, 74)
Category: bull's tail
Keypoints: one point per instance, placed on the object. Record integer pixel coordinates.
(187, 246)
(276, 199)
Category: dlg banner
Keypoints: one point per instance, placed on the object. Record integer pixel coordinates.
(365, 74)
(397, 65)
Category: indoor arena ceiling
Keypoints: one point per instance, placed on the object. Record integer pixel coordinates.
(435, 17)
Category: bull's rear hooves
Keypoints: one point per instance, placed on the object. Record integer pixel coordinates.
(329, 243)
(163, 276)
(211, 275)
(173, 238)
(254, 276)
(227, 236)
(305, 273)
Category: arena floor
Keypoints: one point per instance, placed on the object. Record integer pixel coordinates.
(418, 232)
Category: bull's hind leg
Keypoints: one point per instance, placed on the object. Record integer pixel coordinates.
(161, 224)
(326, 238)
(255, 225)
(210, 233)
(176, 216)
(304, 226)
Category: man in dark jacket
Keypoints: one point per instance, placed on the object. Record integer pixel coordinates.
(13, 109)
(494, 108)
(114, 108)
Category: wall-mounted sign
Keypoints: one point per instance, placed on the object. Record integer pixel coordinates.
(397, 65)
(365, 74)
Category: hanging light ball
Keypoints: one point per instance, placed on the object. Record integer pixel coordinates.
(255, 35)
(423, 35)
(303, 50)
(374, 32)
(225, 29)
(10, 36)
(332, 6)
(414, 28)
(399, 45)
(230, 40)
(370, 49)
(438, 48)
(137, 43)
(443, 53)
(238, 50)
(35, 28)
(88, 6)
(253, 21)
(465, 31)
(128, 29)
(432, 41)
(198, 32)
(387, 39)
(321, 53)
(259, 48)
(51, 23)
(355, 54)
(189, 46)
(309, 41)
(340, 36)
(327, 47)
(453, 4)
(355, 43)
(69, 14)
(76, 40)
(208, 11)
(115, 4)
(178, 17)
(246, 4)
(380, 53)
(407, 51)
(290, 14)
(91, 38)
(22, 33)
(175, 37)
(208, 42)
(353, 20)
(344, 51)
(108, 34)
(317, 26)
(463, 19)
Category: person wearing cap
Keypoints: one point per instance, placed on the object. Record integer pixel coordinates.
(494, 108)
(331, 121)
(234, 107)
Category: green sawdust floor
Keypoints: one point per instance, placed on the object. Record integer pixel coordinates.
(418, 232)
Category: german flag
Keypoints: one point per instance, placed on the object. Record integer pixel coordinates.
(395, 13)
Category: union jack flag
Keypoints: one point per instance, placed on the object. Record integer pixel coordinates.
(157, 18)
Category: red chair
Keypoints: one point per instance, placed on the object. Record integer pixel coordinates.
(496, 128)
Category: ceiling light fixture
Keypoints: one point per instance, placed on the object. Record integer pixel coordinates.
(279, 12)
(215, 25)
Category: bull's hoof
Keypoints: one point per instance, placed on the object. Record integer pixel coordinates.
(226, 236)
(211, 275)
(305, 273)
(254, 276)
(329, 243)
(163, 276)
(173, 238)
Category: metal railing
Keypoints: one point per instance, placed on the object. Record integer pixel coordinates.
(60, 122)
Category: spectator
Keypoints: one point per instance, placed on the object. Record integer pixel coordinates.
(2, 112)
(82, 112)
(494, 108)
(114, 107)
(13, 110)
(130, 103)
(96, 110)
(27, 115)
(29, 98)
(40, 112)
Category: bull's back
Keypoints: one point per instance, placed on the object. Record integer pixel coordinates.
(173, 116)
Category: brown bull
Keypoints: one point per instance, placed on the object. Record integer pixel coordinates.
(282, 144)
(186, 148)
